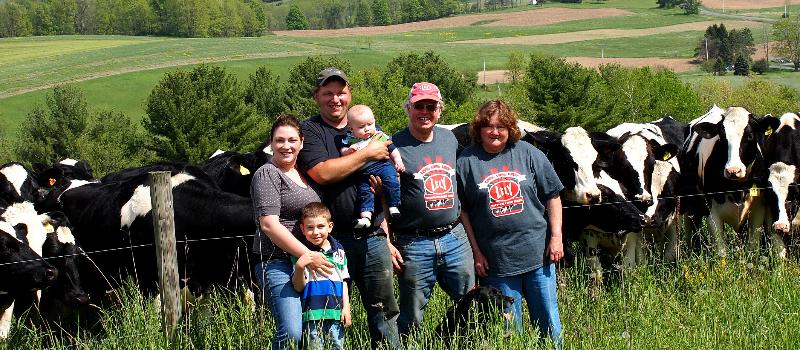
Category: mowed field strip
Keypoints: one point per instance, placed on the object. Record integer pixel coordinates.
(596, 34)
(539, 17)
(742, 4)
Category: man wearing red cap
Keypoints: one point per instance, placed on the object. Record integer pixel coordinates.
(369, 255)
(432, 241)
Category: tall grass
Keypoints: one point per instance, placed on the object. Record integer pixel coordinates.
(699, 303)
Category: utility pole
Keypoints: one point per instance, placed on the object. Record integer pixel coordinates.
(706, 49)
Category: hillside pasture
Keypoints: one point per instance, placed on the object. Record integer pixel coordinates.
(538, 17)
(742, 4)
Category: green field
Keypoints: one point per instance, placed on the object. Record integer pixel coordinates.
(700, 303)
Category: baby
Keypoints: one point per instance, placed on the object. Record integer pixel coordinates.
(362, 128)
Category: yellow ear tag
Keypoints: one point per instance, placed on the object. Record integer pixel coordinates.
(666, 156)
(49, 228)
(51, 182)
(768, 131)
(244, 170)
(754, 191)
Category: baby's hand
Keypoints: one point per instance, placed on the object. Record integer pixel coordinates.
(349, 150)
(400, 167)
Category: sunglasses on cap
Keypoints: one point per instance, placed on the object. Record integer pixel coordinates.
(430, 107)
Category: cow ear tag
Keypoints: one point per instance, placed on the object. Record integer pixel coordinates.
(666, 156)
(51, 181)
(768, 131)
(754, 191)
(49, 228)
(244, 170)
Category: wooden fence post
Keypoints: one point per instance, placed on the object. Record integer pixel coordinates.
(166, 253)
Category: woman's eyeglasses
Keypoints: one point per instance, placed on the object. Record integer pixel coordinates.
(430, 107)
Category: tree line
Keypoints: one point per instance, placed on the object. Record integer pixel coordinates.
(333, 14)
(191, 113)
(182, 18)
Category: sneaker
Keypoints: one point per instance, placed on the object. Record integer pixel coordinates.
(394, 213)
(362, 223)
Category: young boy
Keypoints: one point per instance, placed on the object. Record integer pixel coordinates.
(326, 305)
(362, 128)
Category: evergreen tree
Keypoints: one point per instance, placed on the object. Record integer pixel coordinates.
(192, 114)
(363, 14)
(742, 66)
(380, 13)
(296, 20)
(265, 93)
(51, 131)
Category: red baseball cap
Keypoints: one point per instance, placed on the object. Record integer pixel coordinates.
(424, 91)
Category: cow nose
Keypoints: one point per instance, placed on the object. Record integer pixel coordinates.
(782, 227)
(592, 198)
(647, 221)
(50, 275)
(734, 172)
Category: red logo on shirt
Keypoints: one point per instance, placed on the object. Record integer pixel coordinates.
(438, 181)
(505, 197)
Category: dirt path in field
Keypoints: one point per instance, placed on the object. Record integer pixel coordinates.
(742, 4)
(537, 17)
(594, 34)
(675, 64)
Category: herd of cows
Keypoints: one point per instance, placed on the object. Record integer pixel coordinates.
(70, 239)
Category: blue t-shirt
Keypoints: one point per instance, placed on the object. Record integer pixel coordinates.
(504, 195)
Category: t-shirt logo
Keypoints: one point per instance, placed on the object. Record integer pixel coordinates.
(438, 181)
(505, 197)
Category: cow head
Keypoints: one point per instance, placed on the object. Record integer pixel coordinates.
(17, 184)
(21, 269)
(612, 159)
(61, 250)
(782, 154)
(573, 156)
(740, 132)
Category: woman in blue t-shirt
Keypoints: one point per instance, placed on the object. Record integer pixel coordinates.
(511, 211)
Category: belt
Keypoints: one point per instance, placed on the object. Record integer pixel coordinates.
(428, 232)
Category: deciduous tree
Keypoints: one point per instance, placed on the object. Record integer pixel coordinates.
(786, 32)
(296, 19)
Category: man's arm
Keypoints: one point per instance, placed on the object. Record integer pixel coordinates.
(555, 249)
(337, 169)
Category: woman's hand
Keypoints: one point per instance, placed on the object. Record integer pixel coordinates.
(555, 250)
(481, 264)
(318, 263)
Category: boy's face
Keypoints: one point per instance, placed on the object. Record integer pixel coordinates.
(316, 229)
(362, 126)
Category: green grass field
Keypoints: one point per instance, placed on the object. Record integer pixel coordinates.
(701, 303)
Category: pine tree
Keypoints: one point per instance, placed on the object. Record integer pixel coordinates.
(380, 13)
(296, 20)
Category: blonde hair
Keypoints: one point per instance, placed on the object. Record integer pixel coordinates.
(315, 210)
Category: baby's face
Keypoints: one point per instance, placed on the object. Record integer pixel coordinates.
(362, 126)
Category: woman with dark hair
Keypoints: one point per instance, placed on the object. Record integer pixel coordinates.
(279, 194)
(511, 210)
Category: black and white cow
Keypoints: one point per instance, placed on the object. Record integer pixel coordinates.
(17, 184)
(115, 213)
(233, 171)
(782, 154)
(723, 159)
(656, 165)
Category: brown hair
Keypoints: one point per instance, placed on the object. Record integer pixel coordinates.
(286, 119)
(505, 115)
(315, 209)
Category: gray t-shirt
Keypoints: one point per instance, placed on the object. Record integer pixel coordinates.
(427, 186)
(274, 193)
(504, 195)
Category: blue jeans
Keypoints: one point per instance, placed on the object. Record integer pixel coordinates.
(370, 268)
(274, 278)
(539, 289)
(446, 259)
(324, 334)
(391, 185)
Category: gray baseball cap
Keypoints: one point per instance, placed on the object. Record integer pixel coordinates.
(328, 73)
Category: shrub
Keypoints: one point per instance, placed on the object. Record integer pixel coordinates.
(761, 66)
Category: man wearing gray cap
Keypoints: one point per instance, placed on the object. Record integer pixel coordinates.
(369, 254)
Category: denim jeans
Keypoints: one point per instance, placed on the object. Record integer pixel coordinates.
(274, 278)
(370, 268)
(446, 259)
(391, 185)
(323, 334)
(539, 289)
